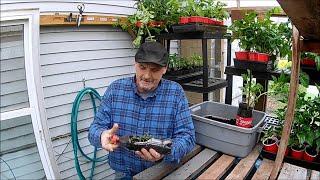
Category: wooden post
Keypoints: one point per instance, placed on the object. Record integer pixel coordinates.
(294, 84)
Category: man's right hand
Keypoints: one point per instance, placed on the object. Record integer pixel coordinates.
(109, 140)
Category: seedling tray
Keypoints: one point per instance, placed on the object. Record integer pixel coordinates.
(156, 144)
(253, 65)
(184, 78)
(302, 163)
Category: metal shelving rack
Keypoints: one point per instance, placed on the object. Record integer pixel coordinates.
(202, 84)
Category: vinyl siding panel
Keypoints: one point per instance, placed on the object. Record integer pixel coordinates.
(99, 55)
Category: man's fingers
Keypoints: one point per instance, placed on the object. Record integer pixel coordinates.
(141, 155)
(154, 153)
(114, 128)
(111, 147)
(147, 154)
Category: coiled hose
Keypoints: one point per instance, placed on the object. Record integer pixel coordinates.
(74, 131)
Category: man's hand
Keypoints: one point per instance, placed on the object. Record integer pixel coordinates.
(150, 155)
(109, 141)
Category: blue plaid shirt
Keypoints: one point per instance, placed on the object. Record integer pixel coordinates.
(164, 114)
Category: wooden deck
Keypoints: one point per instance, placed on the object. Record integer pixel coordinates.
(204, 163)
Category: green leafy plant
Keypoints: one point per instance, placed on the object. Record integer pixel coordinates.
(313, 56)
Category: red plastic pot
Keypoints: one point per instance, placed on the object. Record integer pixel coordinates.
(308, 62)
(139, 24)
(183, 20)
(242, 55)
(308, 157)
(270, 145)
(195, 19)
(297, 154)
(205, 20)
(262, 57)
(253, 56)
(219, 23)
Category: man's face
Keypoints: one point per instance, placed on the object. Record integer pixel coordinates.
(148, 76)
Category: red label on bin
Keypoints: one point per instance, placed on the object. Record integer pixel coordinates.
(244, 122)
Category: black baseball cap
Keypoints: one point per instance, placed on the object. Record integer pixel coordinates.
(152, 52)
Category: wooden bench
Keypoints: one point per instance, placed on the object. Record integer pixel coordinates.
(203, 163)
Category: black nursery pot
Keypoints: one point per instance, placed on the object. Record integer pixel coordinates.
(244, 116)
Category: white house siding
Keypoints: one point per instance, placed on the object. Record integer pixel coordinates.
(98, 54)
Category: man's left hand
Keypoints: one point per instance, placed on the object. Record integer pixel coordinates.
(150, 155)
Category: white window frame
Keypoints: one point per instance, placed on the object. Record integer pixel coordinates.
(30, 19)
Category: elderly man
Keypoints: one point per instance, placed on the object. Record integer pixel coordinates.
(139, 105)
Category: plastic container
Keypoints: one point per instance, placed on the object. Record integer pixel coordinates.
(229, 139)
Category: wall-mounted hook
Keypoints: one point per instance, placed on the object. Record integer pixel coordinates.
(81, 9)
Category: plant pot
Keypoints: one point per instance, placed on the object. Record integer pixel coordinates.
(308, 62)
(253, 56)
(262, 57)
(138, 24)
(310, 154)
(297, 153)
(183, 20)
(242, 55)
(220, 23)
(195, 19)
(270, 144)
(244, 116)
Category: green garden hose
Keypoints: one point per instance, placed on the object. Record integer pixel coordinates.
(74, 131)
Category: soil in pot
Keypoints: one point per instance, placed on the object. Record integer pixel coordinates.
(297, 152)
(310, 154)
(244, 116)
(220, 119)
(270, 145)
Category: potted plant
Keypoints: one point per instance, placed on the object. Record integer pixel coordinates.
(251, 92)
(270, 140)
(310, 59)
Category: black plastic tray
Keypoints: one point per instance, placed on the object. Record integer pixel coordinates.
(184, 77)
(252, 65)
(312, 72)
(197, 85)
(199, 27)
(302, 163)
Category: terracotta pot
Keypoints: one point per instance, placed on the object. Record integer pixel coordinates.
(263, 57)
(309, 157)
(308, 62)
(242, 55)
(297, 154)
(183, 20)
(270, 145)
(253, 56)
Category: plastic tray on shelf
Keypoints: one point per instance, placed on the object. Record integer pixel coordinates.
(197, 85)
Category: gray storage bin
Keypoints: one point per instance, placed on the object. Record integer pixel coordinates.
(229, 139)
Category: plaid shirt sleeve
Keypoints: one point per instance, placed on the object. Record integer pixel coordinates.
(101, 120)
(184, 133)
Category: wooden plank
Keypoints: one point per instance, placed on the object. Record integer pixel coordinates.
(162, 169)
(218, 168)
(65, 20)
(290, 171)
(264, 170)
(245, 165)
(194, 166)
(315, 175)
(294, 84)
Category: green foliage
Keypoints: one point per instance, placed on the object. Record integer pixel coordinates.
(251, 89)
(263, 35)
(178, 63)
